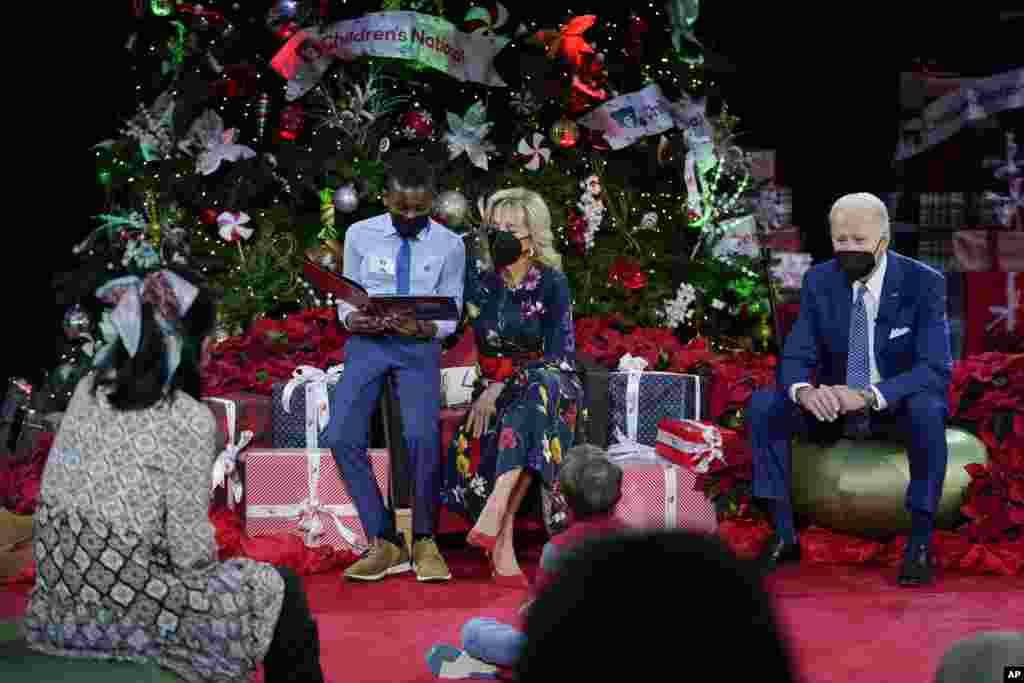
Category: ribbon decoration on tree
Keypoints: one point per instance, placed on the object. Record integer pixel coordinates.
(691, 115)
(682, 16)
(1010, 207)
(225, 467)
(568, 40)
(535, 152)
(109, 226)
(318, 404)
(1006, 314)
(327, 211)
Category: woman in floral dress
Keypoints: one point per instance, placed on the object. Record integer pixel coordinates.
(523, 415)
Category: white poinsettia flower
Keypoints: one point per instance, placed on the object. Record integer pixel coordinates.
(467, 135)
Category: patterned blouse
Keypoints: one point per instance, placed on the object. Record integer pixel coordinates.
(126, 556)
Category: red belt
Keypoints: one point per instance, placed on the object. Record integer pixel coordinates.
(500, 368)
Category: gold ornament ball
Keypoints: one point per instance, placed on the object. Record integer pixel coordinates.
(451, 208)
(565, 133)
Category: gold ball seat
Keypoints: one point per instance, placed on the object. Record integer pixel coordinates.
(859, 487)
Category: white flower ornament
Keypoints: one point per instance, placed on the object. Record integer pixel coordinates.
(231, 226)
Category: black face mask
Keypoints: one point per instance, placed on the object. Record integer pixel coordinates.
(505, 248)
(409, 227)
(857, 264)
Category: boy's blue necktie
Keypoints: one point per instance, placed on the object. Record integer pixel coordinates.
(402, 269)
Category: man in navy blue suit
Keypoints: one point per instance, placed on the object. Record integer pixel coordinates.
(868, 355)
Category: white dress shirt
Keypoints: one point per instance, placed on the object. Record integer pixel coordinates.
(437, 263)
(871, 299)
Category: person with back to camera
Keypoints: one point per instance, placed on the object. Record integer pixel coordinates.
(873, 327)
(654, 605)
(126, 555)
(592, 485)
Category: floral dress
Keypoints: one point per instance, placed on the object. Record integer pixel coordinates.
(525, 337)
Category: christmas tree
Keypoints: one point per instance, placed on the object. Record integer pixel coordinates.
(264, 129)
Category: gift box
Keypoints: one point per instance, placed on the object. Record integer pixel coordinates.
(994, 319)
(228, 469)
(692, 444)
(301, 408)
(638, 401)
(299, 491)
(657, 494)
(251, 414)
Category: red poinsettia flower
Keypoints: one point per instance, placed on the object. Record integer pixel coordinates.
(627, 272)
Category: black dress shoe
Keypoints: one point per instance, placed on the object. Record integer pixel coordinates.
(778, 551)
(915, 570)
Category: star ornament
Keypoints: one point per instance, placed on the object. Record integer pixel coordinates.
(467, 135)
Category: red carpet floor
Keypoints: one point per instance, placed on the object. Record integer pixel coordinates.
(848, 624)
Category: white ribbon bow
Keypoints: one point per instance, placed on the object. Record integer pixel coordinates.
(626, 447)
(1009, 206)
(225, 467)
(630, 363)
(701, 454)
(318, 405)
(231, 226)
(310, 508)
(535, 152)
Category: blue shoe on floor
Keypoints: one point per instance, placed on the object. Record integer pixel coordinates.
(445, 661)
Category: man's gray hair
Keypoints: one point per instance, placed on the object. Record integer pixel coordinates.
(981, 657)
(864, 201)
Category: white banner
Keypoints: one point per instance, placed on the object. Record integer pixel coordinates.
(975, 99)
(427, 39)
(630, 117)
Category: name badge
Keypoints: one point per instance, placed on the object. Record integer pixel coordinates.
(382, 265)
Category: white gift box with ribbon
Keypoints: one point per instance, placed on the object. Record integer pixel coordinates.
(639, 400)
(225, 467)
(299, 491)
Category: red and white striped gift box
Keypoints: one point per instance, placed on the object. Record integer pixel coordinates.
(659, 495)
(299, 491)
(693, 444)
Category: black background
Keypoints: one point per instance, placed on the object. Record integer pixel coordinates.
(816, 81)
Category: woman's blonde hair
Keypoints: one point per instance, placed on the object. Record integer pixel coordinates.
(538, 220)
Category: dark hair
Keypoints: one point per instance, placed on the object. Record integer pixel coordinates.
(138, 382)
(409, 172)
(606, 591)
(590, 482)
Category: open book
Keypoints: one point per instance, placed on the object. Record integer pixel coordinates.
(350, 291)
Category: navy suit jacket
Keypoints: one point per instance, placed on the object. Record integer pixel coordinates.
(913, 297)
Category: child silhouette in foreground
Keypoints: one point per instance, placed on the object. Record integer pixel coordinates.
(592, 485)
